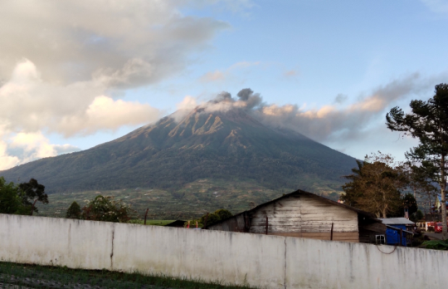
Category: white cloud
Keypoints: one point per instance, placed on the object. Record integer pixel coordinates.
(188, 103)
(36, 145)
(128, 43)
(6, 160)
(29, 104)
(68, 57)
(104, 113)
(19, 148)
(331, 122)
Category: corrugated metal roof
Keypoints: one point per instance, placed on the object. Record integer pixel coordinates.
(396, 221)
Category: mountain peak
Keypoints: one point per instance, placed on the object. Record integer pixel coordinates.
(206, 143)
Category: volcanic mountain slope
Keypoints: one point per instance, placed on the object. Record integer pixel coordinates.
(229, 145)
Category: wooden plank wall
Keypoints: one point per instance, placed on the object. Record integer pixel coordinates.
(306, 217)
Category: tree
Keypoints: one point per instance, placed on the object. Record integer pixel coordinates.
(10, 200)
(418, 215)
(74, 211)
(375, 186)
(409, 204)
(428, 122)
(420, 182)
(353, 191)
(210, 219)
(223, 214)
(31, 193)
(106, 209)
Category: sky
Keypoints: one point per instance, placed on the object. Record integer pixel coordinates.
(78, 73)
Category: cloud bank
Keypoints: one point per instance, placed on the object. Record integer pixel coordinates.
(31, 106)
(121, 43)
(63, 64)
(328, 123)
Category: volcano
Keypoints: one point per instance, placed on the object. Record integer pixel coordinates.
(227, 145)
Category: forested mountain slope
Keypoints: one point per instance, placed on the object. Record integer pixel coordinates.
(226, 145)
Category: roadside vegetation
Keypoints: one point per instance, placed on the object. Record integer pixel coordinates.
(31, 276)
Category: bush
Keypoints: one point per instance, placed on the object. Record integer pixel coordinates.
(223, 214)
(210, 219)
(10, 200)
(106, 209)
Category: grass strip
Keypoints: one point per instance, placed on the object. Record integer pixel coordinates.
(34, 276)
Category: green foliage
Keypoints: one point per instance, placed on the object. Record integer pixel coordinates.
(74, 211)
(16, 199)
(436, 244)
(106, 209)
(210, 219)
(410, 203)
(427, 122)
(375, 186)
(10, 200)
(417, 216)
(32, 192)
(223, 214)
(407, 201)
(353, 190)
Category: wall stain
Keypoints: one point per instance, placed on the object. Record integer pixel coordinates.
(112, 251)
(284, 271)
(69, 239)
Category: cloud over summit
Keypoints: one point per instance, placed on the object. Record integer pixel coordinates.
(324, 124)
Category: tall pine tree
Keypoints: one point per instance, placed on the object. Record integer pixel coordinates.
(428, 122)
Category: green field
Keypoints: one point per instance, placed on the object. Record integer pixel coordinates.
(192, 201)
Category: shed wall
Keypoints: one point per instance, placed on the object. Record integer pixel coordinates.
(308, 217)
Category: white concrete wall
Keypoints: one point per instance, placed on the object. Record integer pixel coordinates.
(234, 258)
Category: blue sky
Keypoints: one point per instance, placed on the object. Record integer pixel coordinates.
(334, 67)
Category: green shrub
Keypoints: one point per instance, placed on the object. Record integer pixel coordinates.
(436, 245)
(210, 219)
(74, 211)
(106, 209)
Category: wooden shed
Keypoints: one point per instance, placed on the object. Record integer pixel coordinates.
(306, 215)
